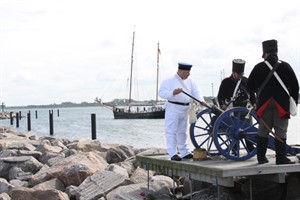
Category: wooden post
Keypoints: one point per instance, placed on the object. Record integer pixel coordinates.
(11, 118)
(17, 120)
(28, 121)
(51, 122)
(93, 118)
(36, 114)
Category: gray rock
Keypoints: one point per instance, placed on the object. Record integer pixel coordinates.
(117, 169)
(99, 184)
(35, 154)
(19, 183)
(54, 183)
(36, 194)
(128, 165)
(5, 186)
(72, 170)
(26, 163)
(17, 173)
(4, 196)
(141, 176)
(8, 153)
(71, 191)
(85, 145)
(157, 190)
(119, 154)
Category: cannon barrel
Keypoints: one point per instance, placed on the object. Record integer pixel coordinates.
(216, 110)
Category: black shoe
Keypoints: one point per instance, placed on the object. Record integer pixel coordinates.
(265, 160)
(280, 150)
(176, 158)
(188, 156)
(284, 161)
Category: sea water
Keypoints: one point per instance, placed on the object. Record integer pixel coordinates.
(75, 123)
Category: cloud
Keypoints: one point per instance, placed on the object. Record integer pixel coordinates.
(63, 50)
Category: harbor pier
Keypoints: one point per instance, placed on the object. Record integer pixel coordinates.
(219, 171)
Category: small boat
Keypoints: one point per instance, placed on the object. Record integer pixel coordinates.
(151, 110)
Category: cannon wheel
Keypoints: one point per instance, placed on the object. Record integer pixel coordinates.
(201, 132)
(234, 133)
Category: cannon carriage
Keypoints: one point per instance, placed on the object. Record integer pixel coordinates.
(231, 133)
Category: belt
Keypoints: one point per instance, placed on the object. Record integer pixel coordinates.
(179, 103)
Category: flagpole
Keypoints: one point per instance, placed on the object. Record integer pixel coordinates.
(131, 68)
(157, 71)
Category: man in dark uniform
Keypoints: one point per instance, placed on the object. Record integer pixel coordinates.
(233, 91)
(272, 104)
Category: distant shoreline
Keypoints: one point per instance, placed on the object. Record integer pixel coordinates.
(119, 102)
(62, 105)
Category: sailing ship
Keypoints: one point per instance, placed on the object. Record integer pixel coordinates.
(151, 110)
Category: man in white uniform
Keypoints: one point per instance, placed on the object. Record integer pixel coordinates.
(177, 107)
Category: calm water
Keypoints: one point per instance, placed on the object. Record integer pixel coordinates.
(75, 123)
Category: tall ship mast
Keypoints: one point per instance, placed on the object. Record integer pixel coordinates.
(146, 110)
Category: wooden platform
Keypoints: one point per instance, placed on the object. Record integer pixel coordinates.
(216, 170)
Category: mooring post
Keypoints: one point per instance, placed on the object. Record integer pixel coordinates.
(57, 112)
(17, 120)
(20, 115)
(11, 118)
(51, 122)
(28, 121)
(36, 114)
(93, 121)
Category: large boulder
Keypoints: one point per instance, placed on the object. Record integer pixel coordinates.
(37, 194)
(156, 190)
(119, 153)
(25, 163)
(99, 184)
(72, 170)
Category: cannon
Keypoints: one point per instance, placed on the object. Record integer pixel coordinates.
(231, 133)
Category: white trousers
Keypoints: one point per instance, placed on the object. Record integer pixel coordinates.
(176, 120)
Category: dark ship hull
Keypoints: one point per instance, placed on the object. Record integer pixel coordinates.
(121, 114)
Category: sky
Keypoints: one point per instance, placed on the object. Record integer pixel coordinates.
(55, 51)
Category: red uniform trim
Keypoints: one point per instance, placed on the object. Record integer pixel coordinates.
(260, 111)
(281, 112)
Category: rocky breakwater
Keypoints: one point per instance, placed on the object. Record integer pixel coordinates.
(45, 168)
(33, 168)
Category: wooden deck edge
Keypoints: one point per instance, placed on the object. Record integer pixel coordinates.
(214, 172)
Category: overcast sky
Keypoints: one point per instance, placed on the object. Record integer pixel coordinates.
(54, 51)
